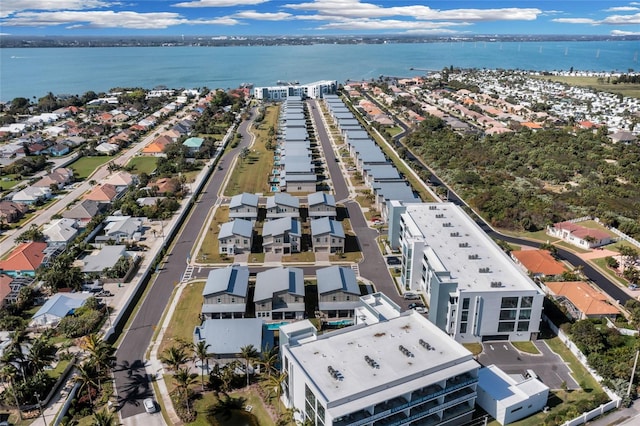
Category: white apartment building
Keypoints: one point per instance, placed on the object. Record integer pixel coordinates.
(315, 90)
(474, 290)
(400, 370)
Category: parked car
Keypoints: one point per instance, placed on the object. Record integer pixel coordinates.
(633, 287)
(418, 307)
(149, 405)
(104, 293)
(393, 260)
(409, 295)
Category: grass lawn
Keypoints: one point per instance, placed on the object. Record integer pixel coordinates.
(208, 400)
(526, 347)
(612, 275)
(8, 182)
(185, 317)
(474, 348)
(394, 130)
(251, 174)
(306, 256)
(631, 90)
(143, 164)
(209, 251)
(84, 166)
(581, 375)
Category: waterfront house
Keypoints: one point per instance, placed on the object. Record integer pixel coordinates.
(582, 300)
(578, 235)
(279, 294)
(225, 293)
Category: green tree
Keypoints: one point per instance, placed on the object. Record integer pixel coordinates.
(174, 357)
(269, 359)
(105, 418)
(249, 353)
(201, 352)
(184, 379)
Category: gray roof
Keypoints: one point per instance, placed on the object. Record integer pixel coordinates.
(297, 164)
(382, 171)
(128, 226)
(343, 115)
(106, 258)
(373, 155)
(357, 134)
(283, 199)
(86, 209)
(336, 278)
(241, 227)
(277, 280)
(232, 280)
(244, 199)
(295, 133)
(327, 226)
(60, 230)
(400, 191)
(280, 226)
(229, 336)
(60, 305)
(299, 177)
(321, 198)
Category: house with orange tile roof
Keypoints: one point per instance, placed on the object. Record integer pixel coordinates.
(531, 125)
(24, 260)
(5, 288)
(538, 263)
(157, 146)
(104, 193)
(166, 185)
(579, 236)
(584, 300)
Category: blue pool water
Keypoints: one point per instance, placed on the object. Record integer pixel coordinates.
(339, 323)
(276, 325)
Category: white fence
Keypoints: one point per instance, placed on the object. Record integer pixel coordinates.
(616, 231)
(603, 408)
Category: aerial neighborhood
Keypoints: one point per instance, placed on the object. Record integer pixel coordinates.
(315, 254)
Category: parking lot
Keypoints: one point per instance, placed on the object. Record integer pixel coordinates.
(547, 365)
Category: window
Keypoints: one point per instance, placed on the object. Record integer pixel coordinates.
(506, 326)
(525, 314)
(523, 325)
(219, 300)
(463, 327)
(465, 303)
(334, 298)
(508, 314)
(348, 297)
(465, 316)
(233, 300)
(509, 302)
(527, 302)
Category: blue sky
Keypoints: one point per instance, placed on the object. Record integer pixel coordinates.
(317, 17)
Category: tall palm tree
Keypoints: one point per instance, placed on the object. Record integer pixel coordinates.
(184, 378)
(100, 353)
(201, 351)
(105, 418)
(86, 377)
(8, 374)
(174, 357)
(274, 387)
(248, 353)
(269, 359)
(41, 354)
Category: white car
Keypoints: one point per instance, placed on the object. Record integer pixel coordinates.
(149, 405)
(409, 295)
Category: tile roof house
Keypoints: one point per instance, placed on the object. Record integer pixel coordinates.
(12, 212)
(157, 146)
(282, 205)
(5, 288)
(57, 307)
(321, 205)
(84, 211)
(281, 236)
(10, 288)
(121, 180)
(24, 259)
(338, 292)
(279, 294)
(244, 206)
(60, 231)
(584, 300)
(31, 195)
(235, 237)
(539, 263)
(166, 185)
(60, 177)
(225, 293)
(580, 236)
(327, 235)
(105, 193)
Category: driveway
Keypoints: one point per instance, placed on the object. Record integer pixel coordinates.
(548, 365)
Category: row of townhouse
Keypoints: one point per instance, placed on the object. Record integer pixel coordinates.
(380, 175)
(248, 206)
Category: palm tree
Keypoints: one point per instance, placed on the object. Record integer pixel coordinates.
(249, 353)
(174, 357)
(101, 355)
(7, 375)
(201, 351)
(274, 386)
(41, 354)
(105, 418)
(270, 359)
(184, 378)
(86, 376)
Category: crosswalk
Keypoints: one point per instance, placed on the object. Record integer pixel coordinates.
(188, 272)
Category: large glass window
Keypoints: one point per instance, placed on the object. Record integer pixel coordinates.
(523, 325)
(463, 327)
(527, 302)
(525, 314)
(465, 303)
(507, 314)
(506, 326)
(464, 316)
(509, 302)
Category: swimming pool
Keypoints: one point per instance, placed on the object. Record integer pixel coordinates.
(340, 323)
(276, 325)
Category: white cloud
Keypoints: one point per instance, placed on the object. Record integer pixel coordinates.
(262, 16)
(624, 33)
(96, 19)
(622, 9)
(218, 3)
(576, 21)
(9, 7)
(388, 24)
(622, 19)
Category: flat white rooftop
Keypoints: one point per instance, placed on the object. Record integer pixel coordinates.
(389, 370)
(458, 245)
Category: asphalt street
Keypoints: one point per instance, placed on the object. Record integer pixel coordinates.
(131, 382)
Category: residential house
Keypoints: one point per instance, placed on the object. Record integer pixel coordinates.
(194, 144)
(538, 263)
(157, 146)
(24, 259)
(107, 148)
(581, 300)
(166, 185)
(122, 229)
(57, 307)
(12, 212)
(282, 205)
(225, 338)
(235, 237)
(59, 177)
(244, 206)
(338, 293)
(105, 193)
(321, 204)
(84, 211)
(121, 180)
(327, 236)
(31, 195)
(279, 294)
(105, 258)
(60, 231)
(281, 236)
(580, 236)
(623, 137)
(225, 293)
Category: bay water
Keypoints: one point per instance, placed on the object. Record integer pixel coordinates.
(33, 72)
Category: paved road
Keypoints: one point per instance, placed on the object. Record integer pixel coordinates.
(131, 381)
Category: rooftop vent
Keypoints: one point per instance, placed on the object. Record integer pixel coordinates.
(439, 215)
(433, 207)
(426, 345)
(406, 352)
(474, 256)
(484, 270)
(372, 362)
(447, 225)
(335, 373)
(454, 234)
(496, 284)
(463, 245)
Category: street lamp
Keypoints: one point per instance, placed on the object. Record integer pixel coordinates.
(44, 419)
